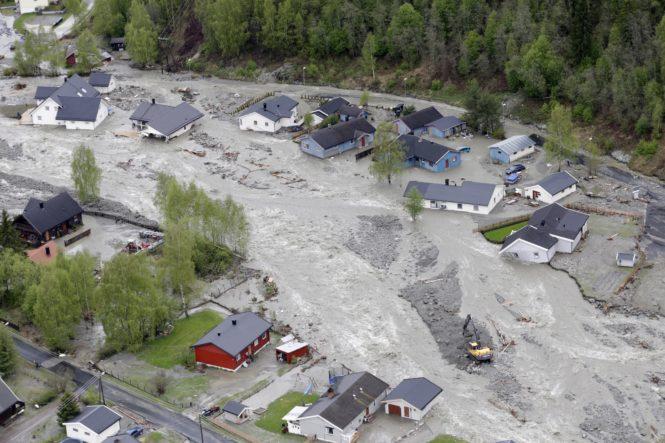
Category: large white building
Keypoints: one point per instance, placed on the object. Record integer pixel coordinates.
(552, 188)
(28, 6)
(550, 230)
(270, 115)
(75, 105)
(473, 197)
(94, 424)
(162, 121)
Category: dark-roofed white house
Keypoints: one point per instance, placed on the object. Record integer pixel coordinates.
(270, 115)
(236, 412)
(233, 342)
(76, 105)
(162, 121)
(10, 404)
(42, 220)
(412, 398)
(94, 424)
(550, 230)
(428, 155)
(339, 138)
(337, 415)
(510, 149)
(552, 188)
(474, 197)
(102, 81)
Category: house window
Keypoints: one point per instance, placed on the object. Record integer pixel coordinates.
(75, 430)
(86, 433)
(39, 117)
(238, 357)
(241, 121)
(255, 123)
(256, 342)
(536, 254)
(475, 207)
(46, 107)
(265, 334)
(459, 205)
(266, 123)
(329, 430)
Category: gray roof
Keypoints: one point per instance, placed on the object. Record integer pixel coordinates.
(166, 119)
(351, 110)
(630, 256)
(274, 108)
(234, 338)
(117, 40)
(446, 123)
(341, 133)
(530, 235)
(100, 79)
(418, 392)
(7, 397)
(557, 182)
(54, 212)
(81, 109)
(353, 393)
(234, 407)
(333, 105)
(514, 144)
(44, 92)
(73, 86)
(422, 118)
(97, 418)
(424, 149)
(556, 220)
(120, 438)
(472, 193)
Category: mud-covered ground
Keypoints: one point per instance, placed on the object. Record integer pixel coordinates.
(352, 269)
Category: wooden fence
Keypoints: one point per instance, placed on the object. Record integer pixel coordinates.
(120, 218)
(251, 102)
(502, 223)
(588, 209)
(78, 237)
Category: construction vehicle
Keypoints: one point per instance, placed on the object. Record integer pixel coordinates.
(475, 348)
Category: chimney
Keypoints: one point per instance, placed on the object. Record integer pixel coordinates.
(330, 393)
(447, 182)
(219, 334)
(153, 101)
(47, 250)
(234, 322)
(41, 205)
(265, 106)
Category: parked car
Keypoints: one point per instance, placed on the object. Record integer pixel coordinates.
(211, 410)
(135, 432)
(465, 149)
(515, 168)
(513, 178)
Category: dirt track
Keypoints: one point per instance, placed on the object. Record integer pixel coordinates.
(574, 373)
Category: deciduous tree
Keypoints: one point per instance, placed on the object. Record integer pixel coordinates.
(8, 355)
(87, 52)
(86, 175)
(17, 274)
(406, 34)
(141, 35)
(369, 55)
(68, 409)
(560, 142)
(388, 154)
(9, 237)
(414, 203)
(177, 264)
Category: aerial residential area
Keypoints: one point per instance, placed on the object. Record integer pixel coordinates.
(332, 220)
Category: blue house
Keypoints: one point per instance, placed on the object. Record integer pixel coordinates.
(446, 127)
(429, 121)
(511, 149)
(334, 140)
(429, 155)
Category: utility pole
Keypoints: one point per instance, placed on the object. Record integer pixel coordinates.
(101, 389)
(201, 428)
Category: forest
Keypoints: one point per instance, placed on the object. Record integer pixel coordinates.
(604, 59)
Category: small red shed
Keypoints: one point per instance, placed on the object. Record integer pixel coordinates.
(233, 342)
(291, 350)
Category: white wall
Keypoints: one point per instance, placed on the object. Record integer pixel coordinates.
(108, 88)
(44, 113)
(497, 196)
(545, 196)
(523, 153)
(528, 252)
(26, 6)
(256, 122)
(78, 431)
(414, 413)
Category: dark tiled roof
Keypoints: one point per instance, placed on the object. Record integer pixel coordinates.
(557, 220)
(353, 393)
(274, 108)
(166, 119)
(530, 235)
(73, 86)
(420, 119)
(350, 110)
(424, 149)
(7, 397)
(557, 182)
(342, 132)
(446, 123)
(44, 92)
(116, 40)
(234, 338)
(54, 212)
(333, 105)
(234, 407)
(472, 193)
(418, 392)
(80, 109)
(97, 418)
(100, 79)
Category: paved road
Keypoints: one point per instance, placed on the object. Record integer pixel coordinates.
(152, 412)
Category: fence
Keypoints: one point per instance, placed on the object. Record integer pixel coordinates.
(251, 102)
(602, 211)
(120, 218)
(144, 388)
(77, 237)
(502, 223)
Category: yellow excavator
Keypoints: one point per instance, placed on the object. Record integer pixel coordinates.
(474, 348)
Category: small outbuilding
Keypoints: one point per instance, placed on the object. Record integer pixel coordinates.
(428, 155)
(412, 398)
(10, 404)
(236, 412)
(94, 424)
(290, 351)
(102, 81)
(154, 120)
(552, 188)
(626, 259)
(447, 126)
(511, 149)
(117, 43)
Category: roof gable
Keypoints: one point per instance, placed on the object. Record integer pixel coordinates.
(556, 220)
(333, 105)
(418, 392)
(420, 119)
(83, 109)
(274, 108)
(341, 132)
(100, 79)
(532, 236)
(446, 123)
(233, 337)
(234, 407)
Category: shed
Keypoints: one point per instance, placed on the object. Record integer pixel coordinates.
(117, 43)
(236, 412)
(412, 398)
(94, 424)
(10, 404)
(290, 351)
(626, 259)
(511, 149)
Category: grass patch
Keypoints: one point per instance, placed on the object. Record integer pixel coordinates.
(167, 352)
(182, 390)
(272, 418)
(19, 23)
(447, 439)
(498, 235)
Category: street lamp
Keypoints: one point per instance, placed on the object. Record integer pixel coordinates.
(304, 68)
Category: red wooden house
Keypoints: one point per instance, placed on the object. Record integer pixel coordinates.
(233, 342)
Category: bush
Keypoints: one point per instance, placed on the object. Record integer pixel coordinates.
(90, 397)
(436, 85)
(210, 259)
(499, 133)
(161, 382)
(105, 352)
(606, 144)
(646, 148)
(46, 397)
(643, 126)
(195, 65)
(9, 72)
(583, 113)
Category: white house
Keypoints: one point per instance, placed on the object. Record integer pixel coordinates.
(102, 81)
(337, 415)
(473, 197)
(550, 230)
(552, 188)
(166, 122)
(412, 398)
(94, 424)
(270, 115)
(76, 105)
(27, 6)
(511, 149)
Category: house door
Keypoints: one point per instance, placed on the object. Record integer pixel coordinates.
(447, 163)
(394, 410)
(362, 142)
(406, 411)
(535, 195)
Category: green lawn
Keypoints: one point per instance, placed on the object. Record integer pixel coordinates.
(447, 439)
(498, 235)
(272, 418)
(181, 390)
(166, 352)
(19, 23)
